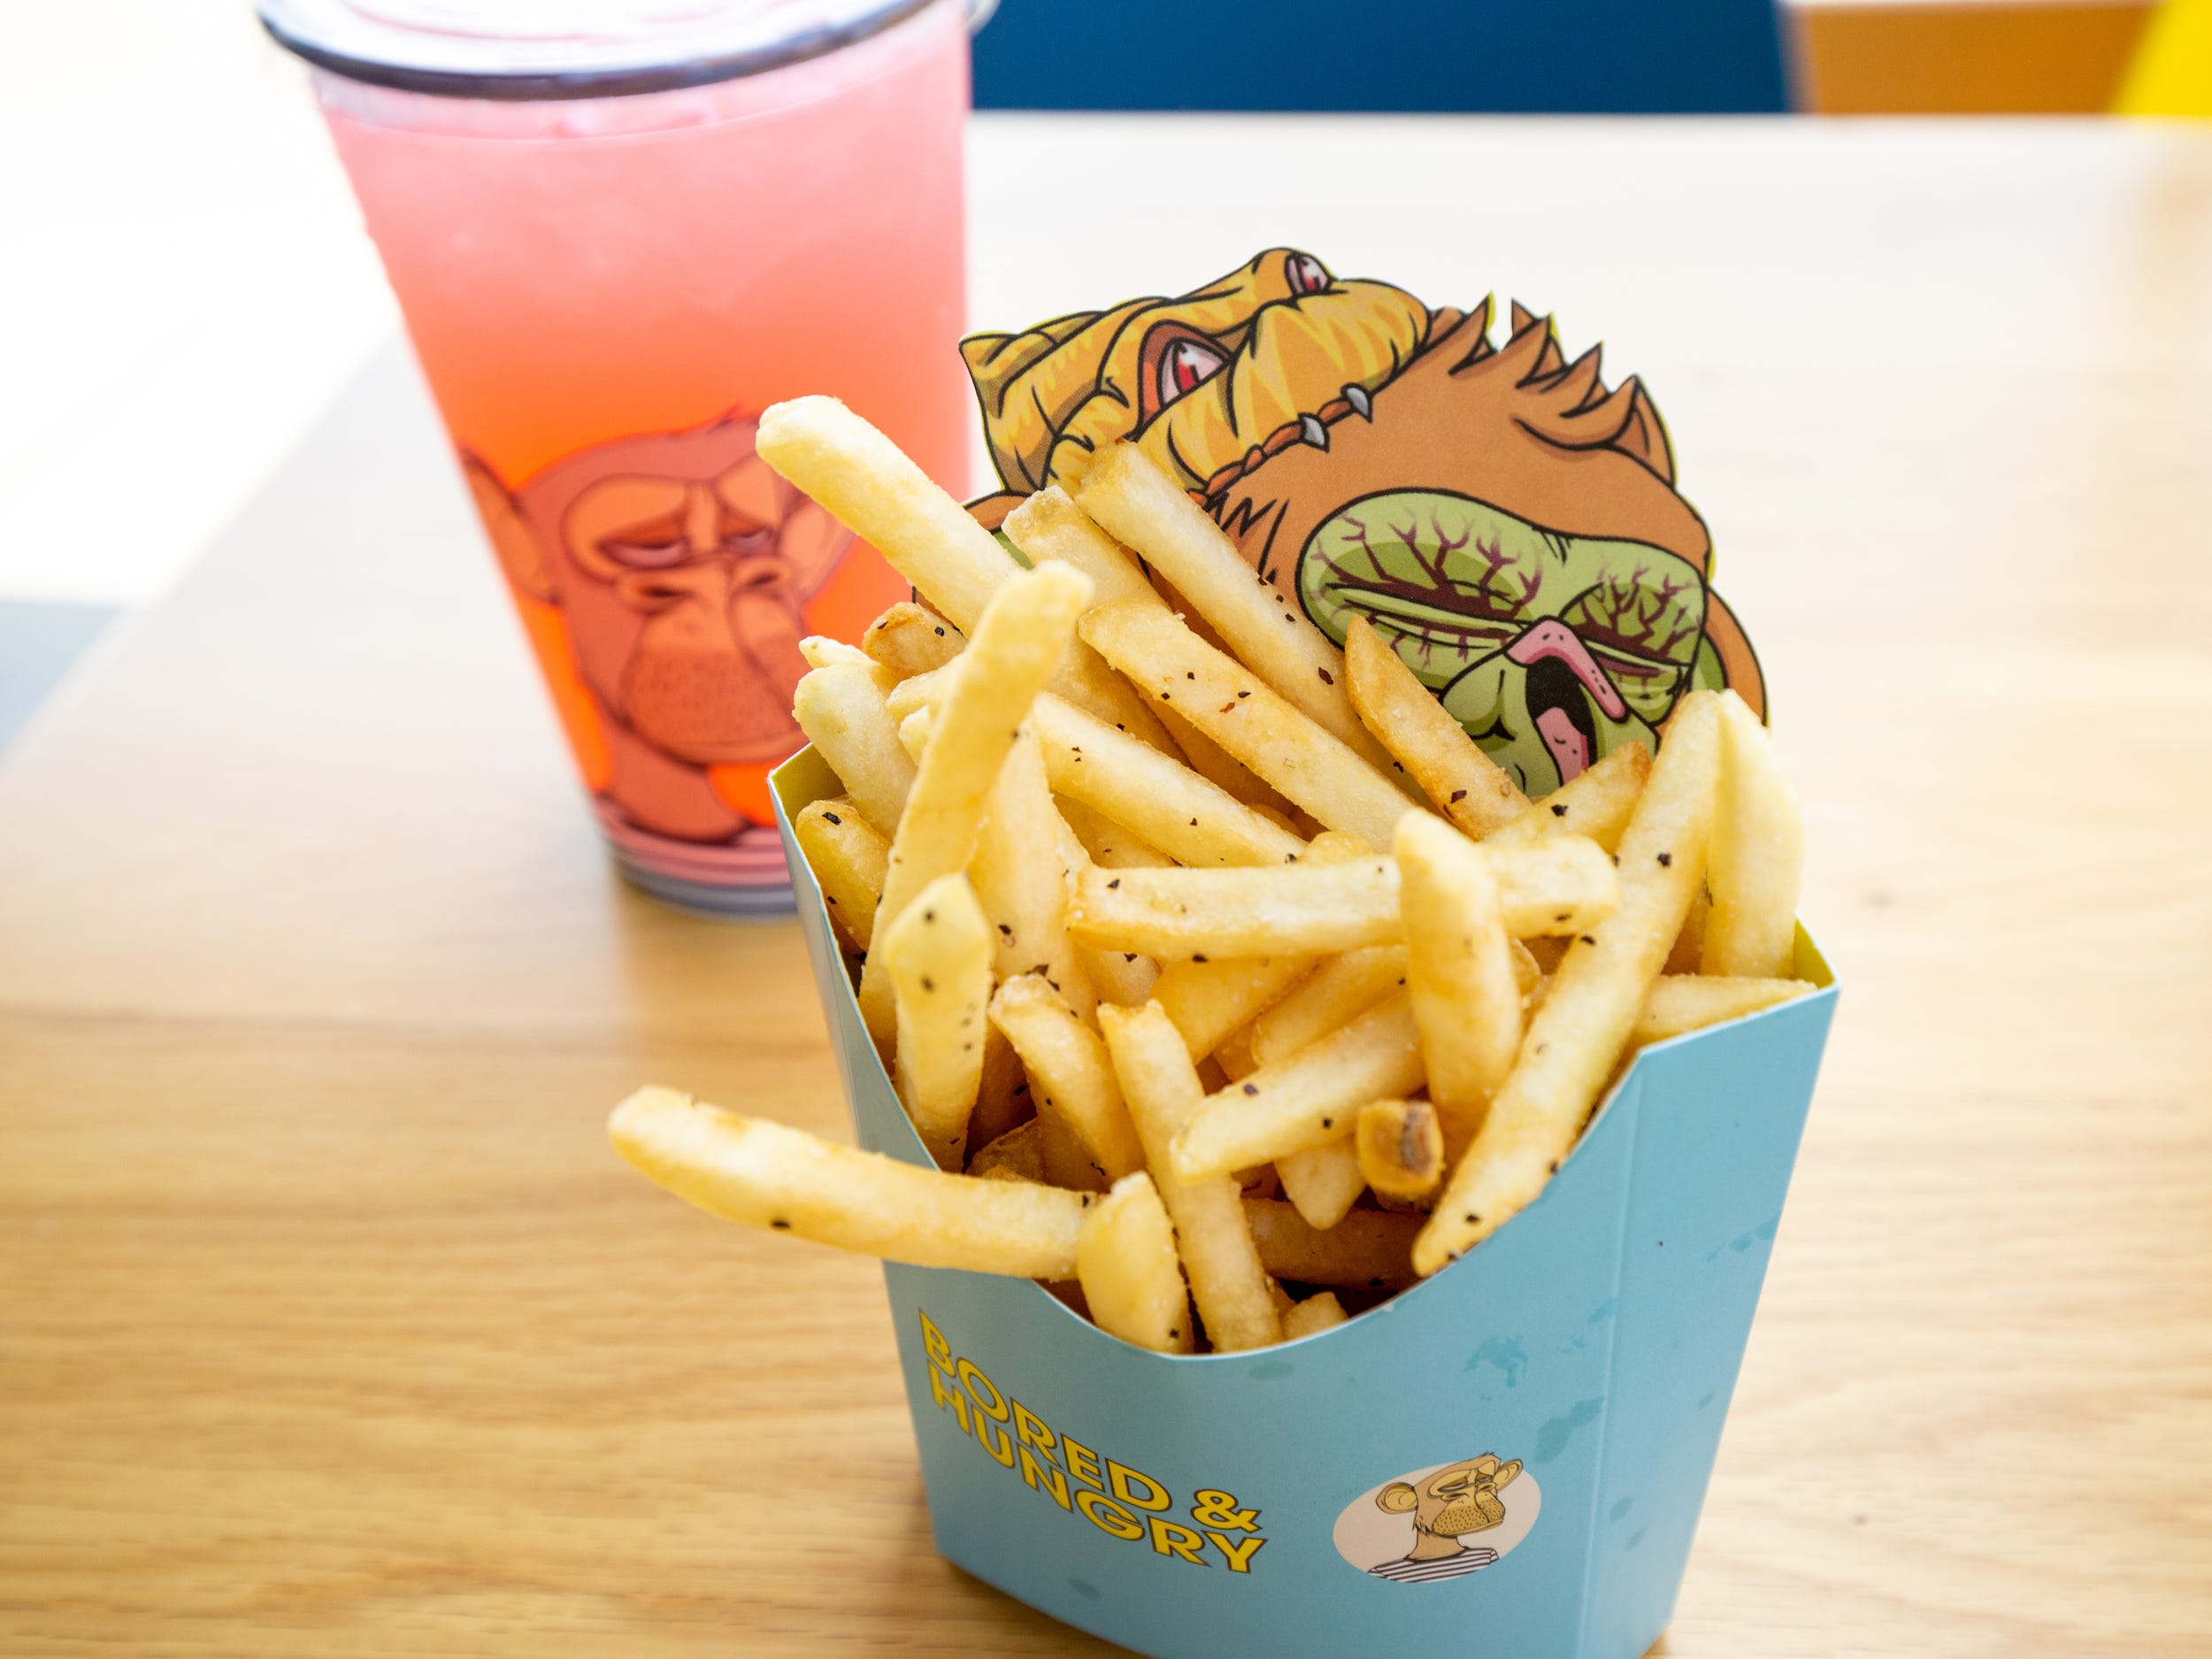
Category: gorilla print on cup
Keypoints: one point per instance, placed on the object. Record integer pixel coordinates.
(679, 564)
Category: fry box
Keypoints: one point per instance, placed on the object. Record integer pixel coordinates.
(1574, 1369)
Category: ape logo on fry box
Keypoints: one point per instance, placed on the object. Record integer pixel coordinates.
(1439, 1523)
(1210, 1528)
(1504, 520)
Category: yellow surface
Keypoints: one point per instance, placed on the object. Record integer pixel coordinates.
(2172, 72)
(1963, 56)
(330, 1325)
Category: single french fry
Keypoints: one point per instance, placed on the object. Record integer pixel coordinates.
(1208, 1000)
(1678, 1003)
(1459, 971)
(1596, 803)
(1556, 884)
(1337, 992)
(1577, 1036)
(1370, 1250)
(1050, 526)
(1218, 766)
(1023, 887)
(1470, 788)
(1191, 820)
(908, 640)
(1161, 1090)
(874, 489)
(1324, 1181)
(1758, 856)
(1019, 1155)
(765, 1175)
(937, 962)
(1317, 1313)
(1132, 1279)
(848, 856)
(1106, 842)
(1240, 712)
(1122, 976)
(820, 651)
(1012, 652)
(1401, 1148)
(1309, 1099)
(1071, 1078)
(840, 709)
(1129, 496)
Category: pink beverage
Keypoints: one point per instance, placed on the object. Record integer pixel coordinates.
(615, 244)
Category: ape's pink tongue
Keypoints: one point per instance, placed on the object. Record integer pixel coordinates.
(1568, 745)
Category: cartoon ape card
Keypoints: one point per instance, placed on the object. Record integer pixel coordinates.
(1506, 521)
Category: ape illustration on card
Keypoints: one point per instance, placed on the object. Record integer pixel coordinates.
(1508, 523)
(1434, 1525)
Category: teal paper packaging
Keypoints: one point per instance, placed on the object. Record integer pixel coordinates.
(1574, 1369)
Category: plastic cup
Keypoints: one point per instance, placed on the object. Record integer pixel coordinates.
(615, 242)
(1264, 1502)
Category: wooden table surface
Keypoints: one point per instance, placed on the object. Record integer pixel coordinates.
(329, 1324)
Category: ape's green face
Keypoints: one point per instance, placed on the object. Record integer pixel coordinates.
(1551, 651)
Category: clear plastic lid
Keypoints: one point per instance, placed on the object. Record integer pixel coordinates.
(570, 48)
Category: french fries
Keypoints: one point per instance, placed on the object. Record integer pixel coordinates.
(937, 957)
(848, 856)
(1127, 1002)
(1577, 1036)
(1556, 884)
(907, 641)
(1243, 714)
(748, 1170)
(1227, 1281)
(1127, 494)
(1132, 1277)
(1015, 648)
(1400, 1146)
(1758, 854)
(1433, 748)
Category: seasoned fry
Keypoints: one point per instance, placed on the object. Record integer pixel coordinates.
(1210, 1000)
(1401, 1148)
(1050, 526)
(1309, 1099)
(1336, 992)
(1678, 1004)
(1218, 765)
(1459, 971)
(1107, 843)
(1191, 820)
(1239, 710)
(848, 857)
(840, 709)
(820, 651)
(1597, 803)
(1132, 1279)
(765, 1175)
(1008, 656)
(937, 961)
(875, 490)
(1324, 1181)
(907, 641)
(917, 691)
(1071, 1077)
(1319, 1312)
(1472, 790)
(1554, 884)
(1758, 854)
(1017, 1155)
(1121, 977)
(1368, 1249)
(1219, 1260)
(1599, 989)
(1127, 494)
(1022, 883)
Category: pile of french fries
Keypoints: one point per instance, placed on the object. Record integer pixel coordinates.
(1229, 983)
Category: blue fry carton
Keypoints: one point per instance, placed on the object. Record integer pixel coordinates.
(1548, 1408)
